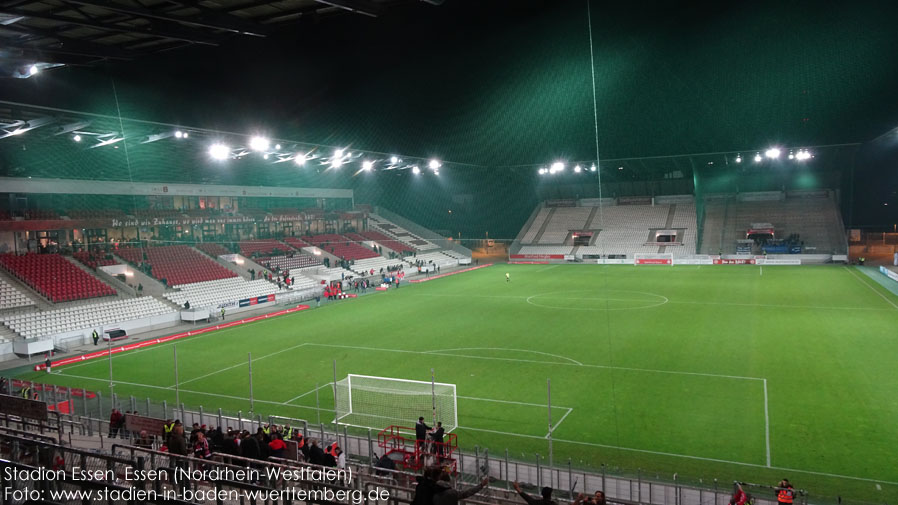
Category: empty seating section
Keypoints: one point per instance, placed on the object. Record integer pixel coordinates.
(378, 223)
(177, 264)
(295, 262)
(684, 218)
(341, 247)
(296, 242)
(563, 220)
(94, 259)
(438, 258)
(265, 247)
(83, 317)
(537, 224)
(456, 255)
(10, 297)
(54, 277)
(213, 249)
(301, 282)
(817, 221)
(546, 249)
(215, 292)
(365, 266)
(387, 242)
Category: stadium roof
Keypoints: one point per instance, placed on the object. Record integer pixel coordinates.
(87, 32)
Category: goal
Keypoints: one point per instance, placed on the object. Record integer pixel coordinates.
(376, 402)
(653, 259)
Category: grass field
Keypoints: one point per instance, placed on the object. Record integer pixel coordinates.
(712, 372)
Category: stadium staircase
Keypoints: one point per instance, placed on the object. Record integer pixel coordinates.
(668, 224)
(545, 225)
(122, 290)
(592, 215)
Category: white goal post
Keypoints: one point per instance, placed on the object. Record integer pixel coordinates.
(366, 401)
(653, 259)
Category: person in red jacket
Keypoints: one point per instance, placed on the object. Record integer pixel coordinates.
(739, 496)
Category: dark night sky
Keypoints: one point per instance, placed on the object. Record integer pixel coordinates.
(504, 83)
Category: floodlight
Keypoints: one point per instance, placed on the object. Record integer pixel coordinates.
(436, 172)
(336, 162)
(338, 153)
(791, 155)
(772, 153)
(541, 171)
(620, 168)
(367, 165)
(592, 168)
(179, 134)
(416, 170)
(186, 135)
(434, 165)
(259, 143)
(758, 158)
(277, 147)
(394, 160)
(77, 138)
(300, 159)
(803, 154)
(578, 169)
(738, 158)
(219, 151)
(32, 70)
(558, 166)
(265, 156)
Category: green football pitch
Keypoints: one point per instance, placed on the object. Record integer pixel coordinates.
(728, 372)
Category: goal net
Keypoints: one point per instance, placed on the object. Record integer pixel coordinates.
(653, 259)
(377, 402)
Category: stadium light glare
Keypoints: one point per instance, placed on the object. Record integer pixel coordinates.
(578, 169)
(33, 70)
(803, 154)
(434, 165)
(758, 158)
(259, 143)
(791, 155)
(179, 134)
(219, 151)
(277, 147)
(416, 170)
(367, 165)
(77, 138)
(592, 168)
(336, 162)
(265, 156)
(738, 158)
(772, 153)
(394, 160)
(558, 166)
(541, 171)
(338, 153)
(186, 135)
(300, 159)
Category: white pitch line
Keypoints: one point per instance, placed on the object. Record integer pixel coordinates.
(511, 402)
(862, 281)
(239, 364)
(432, 353)
(527, 436)
(689, 302)
(504, 349)
(203, 393)
(328, 384)
(569, 410)
(766, 422)
(670, 454)
(160, 346)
